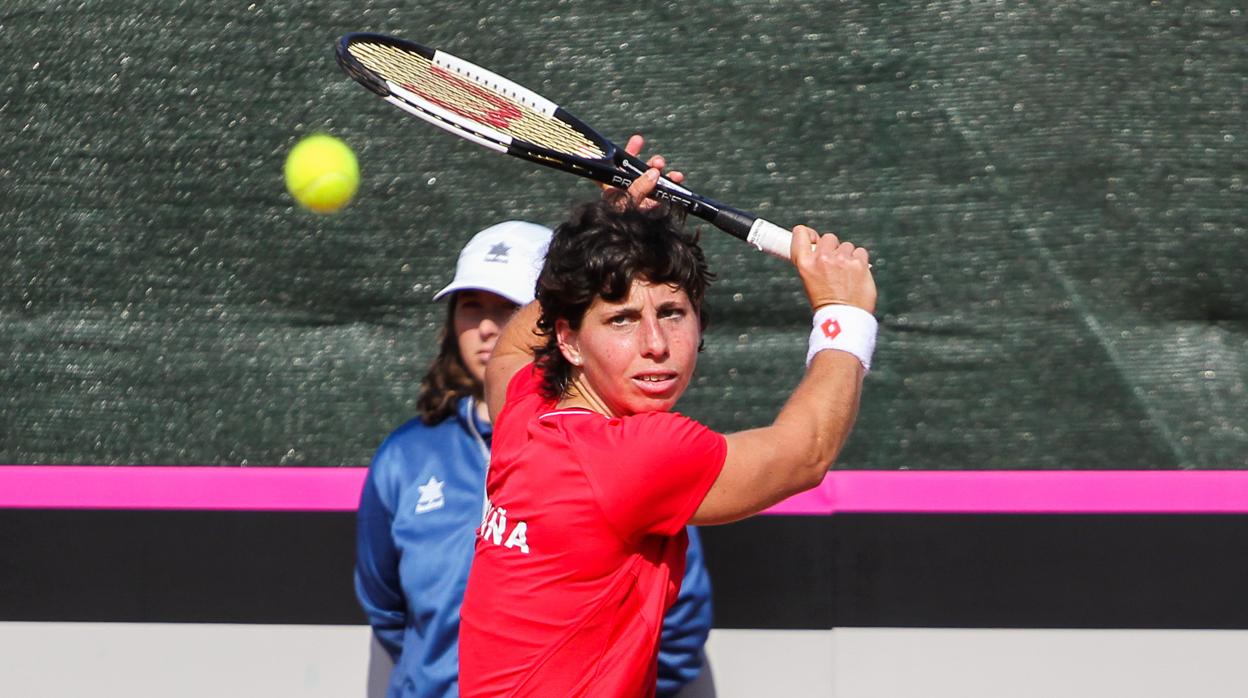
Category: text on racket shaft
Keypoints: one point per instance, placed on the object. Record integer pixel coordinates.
(692, 205)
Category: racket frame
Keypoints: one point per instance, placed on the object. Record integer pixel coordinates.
(617, 167)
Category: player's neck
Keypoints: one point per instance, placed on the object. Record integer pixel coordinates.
(580, 395)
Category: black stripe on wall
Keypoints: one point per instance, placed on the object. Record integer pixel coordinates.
(1042, 571)
(877, 570)
(772, 572)
(178, 566)
(295, 567)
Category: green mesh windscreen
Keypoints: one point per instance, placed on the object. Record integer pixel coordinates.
(1054, 195)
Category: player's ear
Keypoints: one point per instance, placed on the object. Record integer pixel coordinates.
(569, 342)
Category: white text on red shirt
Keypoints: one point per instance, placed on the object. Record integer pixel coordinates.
(494, 525)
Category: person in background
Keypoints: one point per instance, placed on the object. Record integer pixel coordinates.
(423, 498)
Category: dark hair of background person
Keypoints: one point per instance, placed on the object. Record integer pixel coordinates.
(597, 253)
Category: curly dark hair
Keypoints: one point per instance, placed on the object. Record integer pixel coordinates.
(447, 379)
(602, 248)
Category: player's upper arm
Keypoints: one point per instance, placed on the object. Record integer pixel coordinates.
(758, 472)
(512, 351)
(498, 374)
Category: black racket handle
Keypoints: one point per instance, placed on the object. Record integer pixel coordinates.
(759, 232)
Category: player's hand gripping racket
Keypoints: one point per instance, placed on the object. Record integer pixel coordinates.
(494, 112)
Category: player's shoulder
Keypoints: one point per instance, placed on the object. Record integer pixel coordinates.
(524, 398)
(639, 431)
(525, 381)
(644, 421)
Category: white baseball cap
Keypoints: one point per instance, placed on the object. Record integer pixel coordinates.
(505, 259)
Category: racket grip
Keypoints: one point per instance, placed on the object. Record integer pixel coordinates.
(770, 238)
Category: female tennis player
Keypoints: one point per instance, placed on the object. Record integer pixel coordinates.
(422, 499)
(593, 477)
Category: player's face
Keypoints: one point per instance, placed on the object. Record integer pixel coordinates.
(635, 355)
(479, 316)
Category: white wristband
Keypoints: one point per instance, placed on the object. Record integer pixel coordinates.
(844, 328)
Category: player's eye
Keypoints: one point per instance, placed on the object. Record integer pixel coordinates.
(672, 313)
(621, 319)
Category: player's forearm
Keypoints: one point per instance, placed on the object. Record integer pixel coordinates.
(818, 417)
(792, 454)
(837, 279)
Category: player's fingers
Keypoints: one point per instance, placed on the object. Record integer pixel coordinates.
(634, 145)
(802, 246)
(657, 161)
(642, 187)
(828, 243)
(676, 176)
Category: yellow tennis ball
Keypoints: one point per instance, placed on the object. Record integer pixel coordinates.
(322, 173)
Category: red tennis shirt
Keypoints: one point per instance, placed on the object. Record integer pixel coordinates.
(582, 547)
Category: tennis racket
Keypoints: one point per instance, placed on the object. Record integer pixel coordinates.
(492, 111)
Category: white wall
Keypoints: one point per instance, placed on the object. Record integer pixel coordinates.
(119, 660)
(952, 663)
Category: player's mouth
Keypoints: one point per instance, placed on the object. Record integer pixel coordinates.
(656, 383)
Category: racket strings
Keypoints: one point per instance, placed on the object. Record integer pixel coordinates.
(472, 100)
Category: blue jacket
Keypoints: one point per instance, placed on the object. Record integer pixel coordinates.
(420, 508)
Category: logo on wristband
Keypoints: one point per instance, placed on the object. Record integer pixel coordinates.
(843, 328)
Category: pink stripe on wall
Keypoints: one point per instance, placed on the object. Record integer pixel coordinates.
(338, 489)
(194, 487)
(1040, 492)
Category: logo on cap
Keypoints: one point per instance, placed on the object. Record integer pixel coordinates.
(498, 253)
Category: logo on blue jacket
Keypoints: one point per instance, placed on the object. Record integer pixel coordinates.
(430, 495)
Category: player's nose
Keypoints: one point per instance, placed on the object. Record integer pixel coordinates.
(654, 342)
